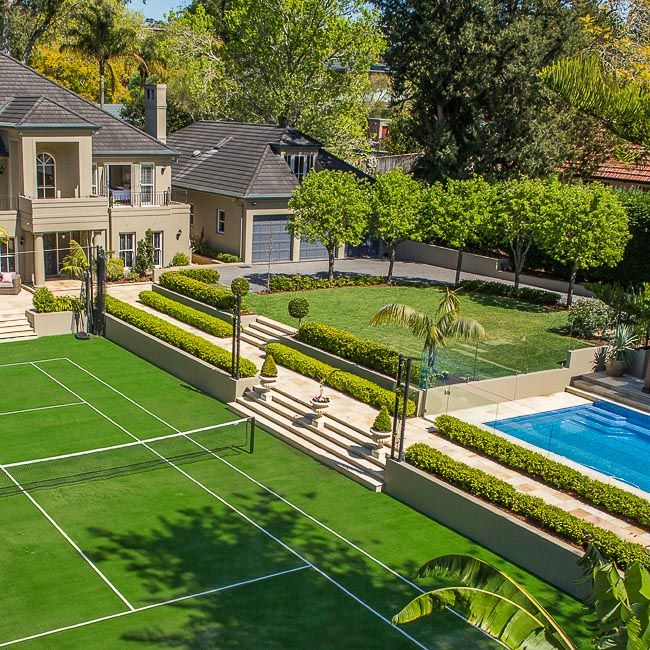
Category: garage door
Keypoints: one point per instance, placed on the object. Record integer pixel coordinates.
(270, 236)
(312, 251)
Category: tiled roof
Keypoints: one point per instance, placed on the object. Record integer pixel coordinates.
(613, 170)
(17, 81)
(39, 111)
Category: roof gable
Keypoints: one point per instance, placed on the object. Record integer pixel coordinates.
(42, 112)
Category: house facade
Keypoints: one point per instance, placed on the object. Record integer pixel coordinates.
(69, 170)
(239, 179)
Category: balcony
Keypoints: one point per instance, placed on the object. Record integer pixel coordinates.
(125, 198)
(63, 214)
(8, 203)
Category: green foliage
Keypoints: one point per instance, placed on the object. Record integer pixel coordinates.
(330, 207)
(209, 276)
(133, 276)
(621, 344)
(533, 509)
(143, 263)
(589, 318)
(269, 369)
(75, 263)
(114, 268)
(240, 287)
(525, 294)
(180, 259)
(45, 302)
(298, 308)
(201, 246)
(557, 475)
(304, 282)
(189, 315)
(383, 422)
(218, 297)
(195, 345)
(361, 389)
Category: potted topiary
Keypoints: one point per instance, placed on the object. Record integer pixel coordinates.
(382, 428)
(269, 372)
(320, 402)
(619, 349)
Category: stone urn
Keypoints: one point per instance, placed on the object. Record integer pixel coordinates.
(319, 405)
(267, 382)
(381, 438)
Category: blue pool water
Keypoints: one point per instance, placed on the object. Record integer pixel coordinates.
(604, 436)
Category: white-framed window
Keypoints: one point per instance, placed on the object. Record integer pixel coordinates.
(147, 183)
(45, 176)
(157, 242)
(127, 248)
(94, 181)
(221, 222)
(300, 163)
(8, 256)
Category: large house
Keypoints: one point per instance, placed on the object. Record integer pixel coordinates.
(239, 179)
(69, 170)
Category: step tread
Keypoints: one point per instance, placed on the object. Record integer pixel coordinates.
(287, 329)
(267, 330)
(594, 393)
(312, 450)
(13, 335)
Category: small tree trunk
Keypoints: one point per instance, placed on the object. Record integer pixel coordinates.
(572, 281)
(459, 266)
(102, 83)
(391, 264)
(330, 264)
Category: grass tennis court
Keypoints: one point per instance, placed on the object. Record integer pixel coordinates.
(170, 544)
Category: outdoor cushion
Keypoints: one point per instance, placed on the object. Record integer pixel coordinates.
(6, 285)
(7, 277)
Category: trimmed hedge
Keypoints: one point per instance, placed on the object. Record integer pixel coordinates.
(190, 343)
(304, 282)
(533, 509)
(361, 389)
(534, 296)
(189, 315)
(218, 297)
(46, 302)
(209, 276)
(607, 497)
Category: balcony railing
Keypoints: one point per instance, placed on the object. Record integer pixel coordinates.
(127, 198)
(8, 202)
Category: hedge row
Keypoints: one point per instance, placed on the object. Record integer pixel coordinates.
(45, 302)
(534, 296)
(189, 315)
(361, 389)
(303, 282)
(209, 276)
(190, 343)
(218, 297)
(533, 509)
(608, 497)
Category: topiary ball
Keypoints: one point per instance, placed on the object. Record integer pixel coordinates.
(298, 308)
(269, 369)
(240, 286)
(383, 421)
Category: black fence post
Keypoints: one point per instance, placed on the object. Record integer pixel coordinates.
(400, 361)
(407, 383)
(252, 443)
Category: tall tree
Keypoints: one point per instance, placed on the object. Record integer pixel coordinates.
(305, 63)
(103, 31)
(330, 207)
(584, 226)
(396, 201)
(469, 69)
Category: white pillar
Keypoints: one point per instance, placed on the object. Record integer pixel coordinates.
(39, 261)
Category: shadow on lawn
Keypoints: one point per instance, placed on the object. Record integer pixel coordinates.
(506, 303)
(198, 549)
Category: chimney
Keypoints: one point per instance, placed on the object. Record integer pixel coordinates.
(155, 110)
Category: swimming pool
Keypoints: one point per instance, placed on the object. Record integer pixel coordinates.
(604, 436)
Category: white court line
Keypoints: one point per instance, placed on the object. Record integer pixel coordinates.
(68, 539)
(234, 508)
(171, 601)
(29, 363)
(42, 408)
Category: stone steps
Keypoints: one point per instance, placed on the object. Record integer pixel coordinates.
(264, 330)
(14, 326)
(594, 390)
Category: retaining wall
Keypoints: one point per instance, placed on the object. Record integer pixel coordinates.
(52, 323)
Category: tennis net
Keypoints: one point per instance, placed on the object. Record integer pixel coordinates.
(143, 455)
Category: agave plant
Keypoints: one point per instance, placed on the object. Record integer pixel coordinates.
(489, 600)
(621, 344)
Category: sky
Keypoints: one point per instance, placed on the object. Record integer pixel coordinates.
(155, 8)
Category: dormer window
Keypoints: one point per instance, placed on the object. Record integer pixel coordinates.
(45, 176)
(300, 163)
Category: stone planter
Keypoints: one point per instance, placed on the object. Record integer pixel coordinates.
(616, 367)
(318, 408)
(267, 382)
(381, 438)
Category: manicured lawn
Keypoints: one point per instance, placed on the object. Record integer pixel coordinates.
(519, 335)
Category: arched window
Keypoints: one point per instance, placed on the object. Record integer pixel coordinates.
(45, 176)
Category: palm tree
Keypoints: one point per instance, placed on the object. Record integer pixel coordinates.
(75, 263)
(103, 34)
(444, 324)
(490, 600)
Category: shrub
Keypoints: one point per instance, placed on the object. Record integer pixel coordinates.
(304, 282)
(218, 297)
(46, 302)
(143, 263)
(533, 509)
(209, 276)
(180, 259)
(240, 287)
(550, 472)
(269, 369)
(133, 276)
(589, 318)
(114, 268)
(194, 317)
(195, 345)
(525, 294)
(298, 308)
(228, 258)
(361, 389)
(383, 422)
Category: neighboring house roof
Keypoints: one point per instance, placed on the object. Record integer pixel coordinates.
(613, 170)
(18, 81)
(242, 160)
(113, 109)
(35, 112)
